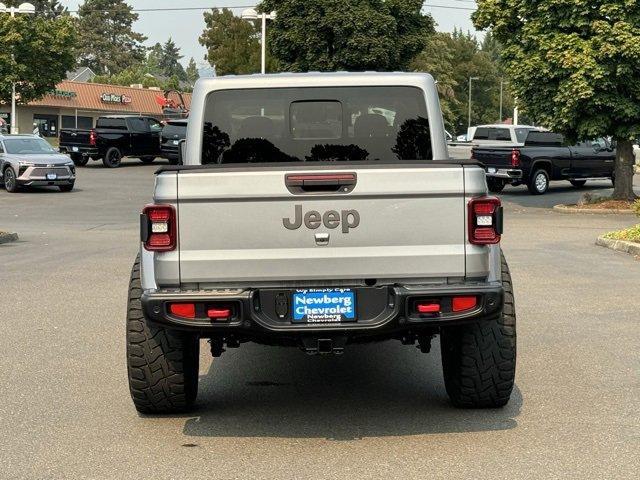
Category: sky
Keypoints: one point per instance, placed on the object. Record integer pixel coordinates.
(185, 27)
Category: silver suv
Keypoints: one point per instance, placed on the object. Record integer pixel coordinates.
(28, 160)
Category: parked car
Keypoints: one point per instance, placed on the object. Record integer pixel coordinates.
(544, 158)
(172, 133)
(28, 160)
(500, 134)
(366, 232)
(113, 138)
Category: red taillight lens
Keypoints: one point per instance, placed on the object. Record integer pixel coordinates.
(93, 138)
(428, 308)
(460, 304)
(219, 313)
(515, 157)
(184, 310)
(160, 234)
(485, 221)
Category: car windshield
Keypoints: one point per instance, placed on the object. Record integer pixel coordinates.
(316, 124)
(27, 146)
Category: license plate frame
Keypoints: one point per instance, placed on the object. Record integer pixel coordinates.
(324, 306)
(52, 176)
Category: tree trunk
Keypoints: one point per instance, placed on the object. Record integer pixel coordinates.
(624, 171)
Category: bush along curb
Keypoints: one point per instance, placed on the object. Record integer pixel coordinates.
(591, 211)
(8, 237)
(619, 245)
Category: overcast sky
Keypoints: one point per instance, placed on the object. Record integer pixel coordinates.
(185, 27)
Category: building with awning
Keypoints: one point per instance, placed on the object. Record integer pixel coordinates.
(78, 105)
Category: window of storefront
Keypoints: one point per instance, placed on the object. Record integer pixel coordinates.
(45, 125)
(84, 123)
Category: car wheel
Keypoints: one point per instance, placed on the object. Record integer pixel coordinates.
(112, 158)
(147, 160)
(479, 359)
(162, 364)
(495, 185)
(10, 181)
(578, 183)
(67, 188)
(79, 160)
(539, 182)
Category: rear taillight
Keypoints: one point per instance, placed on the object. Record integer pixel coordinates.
(183, 310)
(158, 228)
(485, 221)
(515, 157)
(93, 138)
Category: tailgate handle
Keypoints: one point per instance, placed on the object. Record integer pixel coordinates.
(306, 183)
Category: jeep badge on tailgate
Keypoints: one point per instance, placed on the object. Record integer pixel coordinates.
(331, 219)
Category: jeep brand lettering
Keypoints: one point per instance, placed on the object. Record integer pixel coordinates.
(331, 219)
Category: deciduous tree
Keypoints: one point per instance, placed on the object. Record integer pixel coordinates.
(574, 67)
(330, 35)
(36, 53)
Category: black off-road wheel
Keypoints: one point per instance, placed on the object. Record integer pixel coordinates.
(495, 185)
(79, 160)
(162, 364)
(113, 158)
(479, 359)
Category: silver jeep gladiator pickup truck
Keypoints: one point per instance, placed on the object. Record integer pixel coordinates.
(319, 211)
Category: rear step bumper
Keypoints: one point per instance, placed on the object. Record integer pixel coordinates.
(382, 311)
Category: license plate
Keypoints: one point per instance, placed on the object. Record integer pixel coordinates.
(74, 149)
(51, 176)
(331, 305)
(176, 142)
(492, 170)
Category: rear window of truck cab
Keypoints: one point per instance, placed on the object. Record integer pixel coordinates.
(316, 124)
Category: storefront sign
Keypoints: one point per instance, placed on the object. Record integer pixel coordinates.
(113, 98)
(62, 94)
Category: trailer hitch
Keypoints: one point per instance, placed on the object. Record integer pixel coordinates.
(324, 346)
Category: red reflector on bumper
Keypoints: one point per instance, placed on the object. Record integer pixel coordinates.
(184, 310)
(219, 313)
(460, 304)
(428, 308)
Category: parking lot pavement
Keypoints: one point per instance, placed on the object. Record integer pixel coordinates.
(379, 411)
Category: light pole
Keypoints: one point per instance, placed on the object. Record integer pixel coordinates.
(27, 9)
(471, 79)
(251, 14)
(501, 93)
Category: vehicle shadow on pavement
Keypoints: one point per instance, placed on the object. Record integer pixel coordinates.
(376, 390)
(558, 194)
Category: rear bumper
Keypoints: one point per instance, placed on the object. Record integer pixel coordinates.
(84, 151)
(384, 312)
(510, 173)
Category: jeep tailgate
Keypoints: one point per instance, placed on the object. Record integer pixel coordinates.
(246, 225)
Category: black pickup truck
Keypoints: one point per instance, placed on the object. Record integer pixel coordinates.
(546, 157)
(113, 138)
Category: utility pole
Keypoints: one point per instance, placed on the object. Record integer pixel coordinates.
(471, 79)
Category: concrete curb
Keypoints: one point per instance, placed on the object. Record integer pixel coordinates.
(619, 245)
(593, 211)
(8, 237)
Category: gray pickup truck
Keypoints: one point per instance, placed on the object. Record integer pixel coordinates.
(319, 211)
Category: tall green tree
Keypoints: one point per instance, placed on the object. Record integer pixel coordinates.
(574, 67)
(170, 65)
(44, 8)
(454, 57)
(107, 42)
(330, 35)
(36, 53)
(192, 72)
(232, 43)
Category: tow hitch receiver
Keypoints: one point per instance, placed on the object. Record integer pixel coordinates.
(324, 346)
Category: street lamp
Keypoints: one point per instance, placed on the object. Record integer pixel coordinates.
(471, 79)
(27, 9)
(251, 14)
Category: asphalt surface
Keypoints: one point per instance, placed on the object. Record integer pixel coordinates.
(377, 412)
